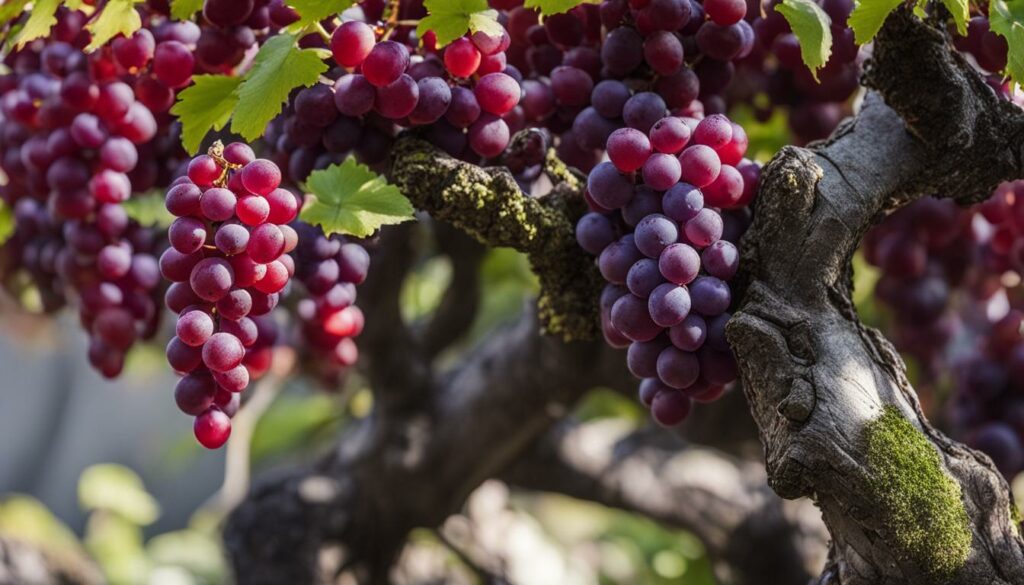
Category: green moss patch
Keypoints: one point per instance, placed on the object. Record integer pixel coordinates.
(921, 507)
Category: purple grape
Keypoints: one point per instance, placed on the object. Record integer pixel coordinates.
(710, 296)
(654, 233)
(643, 110)
(617, 258)
(661, 171)
(678, 369)
(595, 232)
(643, 277)
(679, 263)
(669, 304)
(683, 202)
(704, 229)
(689, 335)
(721, 259)
(642, 357)
(629, 316)
(608, 187)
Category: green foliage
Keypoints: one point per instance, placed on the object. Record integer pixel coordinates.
(148, 209)
(279, 67)
(311, 11)
(205, 105)
(350, 199)
(11, 10)
(293, 422)
(29, 520)
(924, 515)
(867, 18)
(960, 9)
(184, 9)
(40, 21)
(1006, 17)
(117, 489)
(6, 222)
(118, 17)
(450, 19)
(811, 26)
(547, 7)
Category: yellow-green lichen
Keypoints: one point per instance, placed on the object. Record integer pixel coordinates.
(923, 515)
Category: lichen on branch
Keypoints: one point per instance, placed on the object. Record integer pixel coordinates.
(487, 204)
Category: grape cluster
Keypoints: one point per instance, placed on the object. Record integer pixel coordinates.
(674, 55)
(924, 252)
(657, 229)
(228, 263)
(328, 320)
(952, 279)
(460, 97)
(76, 143)
(774, 75)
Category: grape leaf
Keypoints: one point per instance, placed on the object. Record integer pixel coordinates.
(40, 21)
(148, 209)
(450, 19)
(205, 105)
(279, 68)
(867, 17)
(960, 9)
(1006, 17)
(353, 200)
(6, 222)
(812, 28)
(11, 10)
(547, 7)
(184, 9)
(117, 17)
(311, 11)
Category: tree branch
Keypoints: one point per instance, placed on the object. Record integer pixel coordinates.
(839, 420)
(488, 205)
(398, 470)
(750, 534)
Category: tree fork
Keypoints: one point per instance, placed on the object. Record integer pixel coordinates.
(838, 418)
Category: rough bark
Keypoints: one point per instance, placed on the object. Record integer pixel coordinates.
(838, 418)
(749, 533)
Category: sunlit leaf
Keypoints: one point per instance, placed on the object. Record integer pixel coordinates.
(351, 199)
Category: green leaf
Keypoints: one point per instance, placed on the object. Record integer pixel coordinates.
(184, 9)
(548, 7)
(40, 21)
(960, 9)
(6, 222)
(450, 19)
(279, 68)
(148, 209)
(812, 28)
(867, 17)
(311, 11)
(118, 489)
(11, 10)
(205, 105)
(351, 199)
(118, 17)
(1006, 17)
